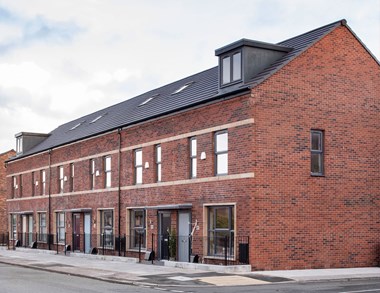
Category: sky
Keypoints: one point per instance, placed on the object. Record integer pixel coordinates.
(60, 60)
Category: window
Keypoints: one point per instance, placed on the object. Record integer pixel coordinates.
(92, 174)
(61, 227)
(149, 99)
(231, 68)
(193, 157)
(316, 150)
(107, 171)
(60, 179)
(106, 228)
(42, 231)
(158, 162)
(138, 166)
(19, 145)
(14, 186)
(77, 125)
(221, 153)
(43, 182)
(20, 186)
(33, 184)
(137, 229)
(221, 221)
(183, 87)
(98, 117)
(72, 177)
(14, 226)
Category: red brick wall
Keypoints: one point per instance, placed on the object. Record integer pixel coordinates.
(3, 191)
(294, 220)
(300, 221)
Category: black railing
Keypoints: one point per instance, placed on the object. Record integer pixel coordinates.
(213, 250)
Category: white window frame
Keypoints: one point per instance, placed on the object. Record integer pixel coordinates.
(158, 163)
(107, 172)
(60, 179)
(92, 174)
(138, 166)
(193, 157)
(221, 153)
(60, 227)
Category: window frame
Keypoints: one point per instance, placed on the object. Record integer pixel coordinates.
(92, 174)
(138, 166)
(107, 172)
(43, 182)
(319, 152)
(61, 176)
(13, 226)
(158, 152)
(19, 145)
(213, 232)
(33, 184)
(20, 186)
(14, 186)
(72, 174)
(60, 227)
(109, 237)
(218, 153)
(193, 157)
(231, 70)
(134, 230)
(42, 229)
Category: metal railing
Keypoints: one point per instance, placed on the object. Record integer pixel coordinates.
(214, 250)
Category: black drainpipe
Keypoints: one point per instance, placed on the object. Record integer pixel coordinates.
(49, 193)
(119, 189)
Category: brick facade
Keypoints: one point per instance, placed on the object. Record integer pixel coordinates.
(294, 220)
(3, 191)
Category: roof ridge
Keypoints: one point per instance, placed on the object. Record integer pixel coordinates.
(341, 22)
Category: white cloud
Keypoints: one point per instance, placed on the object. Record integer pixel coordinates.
(64, 59)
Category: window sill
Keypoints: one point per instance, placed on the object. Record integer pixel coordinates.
(317, 175)
(136, 250)
(219, 258)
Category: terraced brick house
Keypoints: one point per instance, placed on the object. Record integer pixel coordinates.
(270, 158)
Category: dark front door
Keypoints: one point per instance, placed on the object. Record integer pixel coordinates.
(164, 219)
(76, 232)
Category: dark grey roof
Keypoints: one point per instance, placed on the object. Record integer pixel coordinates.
(203, 88)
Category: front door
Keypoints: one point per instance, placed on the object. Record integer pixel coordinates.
(184, 224)
(76, 232)
(164, 223)
(24, 230)
(27, 230)
(87, 233)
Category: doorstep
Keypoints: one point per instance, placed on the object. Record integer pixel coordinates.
(208, 267)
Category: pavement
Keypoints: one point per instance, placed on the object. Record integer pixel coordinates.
(128, 271)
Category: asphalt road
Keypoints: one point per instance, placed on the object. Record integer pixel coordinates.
(15, 279)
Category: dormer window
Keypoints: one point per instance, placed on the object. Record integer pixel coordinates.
(19, 145)
(231, 68)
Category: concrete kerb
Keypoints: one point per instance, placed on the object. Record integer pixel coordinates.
(210, 268)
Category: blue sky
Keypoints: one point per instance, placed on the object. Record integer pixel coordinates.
(63, 59)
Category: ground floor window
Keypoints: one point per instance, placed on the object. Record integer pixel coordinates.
(14, 226)
(60, 227)
(137, 229)
(42, 231)
(106, 228)
(221, 222)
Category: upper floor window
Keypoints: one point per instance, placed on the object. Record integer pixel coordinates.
(317, 153)
(138, 167)
(20, 185)
(19, 145)
(72, 169)
(193, 157)
(43, 182)
(60, 179)
(33, 184)
(221, 153)
(14, 186)
(231, 68)
(158, 162)
(107, 172)
(92, 174)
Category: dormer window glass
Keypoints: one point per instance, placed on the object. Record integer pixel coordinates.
(231, 68)
(19, 145)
